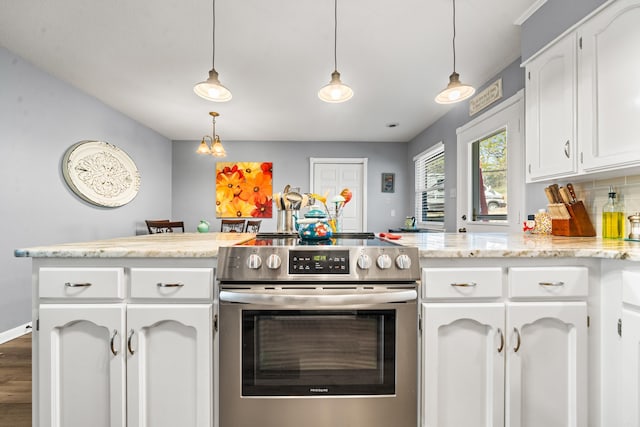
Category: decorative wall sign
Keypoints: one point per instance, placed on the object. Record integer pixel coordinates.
(101, 173)
(485, 98)
(244, 189)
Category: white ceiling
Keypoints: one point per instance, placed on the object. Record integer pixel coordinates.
(142, 57)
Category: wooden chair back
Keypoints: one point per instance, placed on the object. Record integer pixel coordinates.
(164, 226)
(232, 225)
(253, 226)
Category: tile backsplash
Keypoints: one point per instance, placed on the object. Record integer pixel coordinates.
(596, 193)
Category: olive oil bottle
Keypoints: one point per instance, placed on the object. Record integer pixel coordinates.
(612, 217)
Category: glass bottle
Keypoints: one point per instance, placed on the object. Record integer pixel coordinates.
(612, 217)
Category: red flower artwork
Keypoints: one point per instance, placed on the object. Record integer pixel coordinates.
(244, 189)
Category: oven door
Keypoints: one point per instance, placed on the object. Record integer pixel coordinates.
(318, 352)
(291, 357)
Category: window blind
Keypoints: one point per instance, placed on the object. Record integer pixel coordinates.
(429, 186)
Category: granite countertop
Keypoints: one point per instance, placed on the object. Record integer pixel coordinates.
(163, 245)
(432, 245)
(518, 245)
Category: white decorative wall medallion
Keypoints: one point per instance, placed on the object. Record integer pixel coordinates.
(101, 173)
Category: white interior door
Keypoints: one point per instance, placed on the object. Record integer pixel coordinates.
(332, 175)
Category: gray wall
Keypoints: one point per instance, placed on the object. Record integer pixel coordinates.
(445, 130)
(40, 117)
(194, 176)
(551, 20)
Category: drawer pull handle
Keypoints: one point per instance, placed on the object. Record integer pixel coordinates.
(113, 339)
(465, 285)
(551, 283)
(77, 285)
(129, 342)
(501, 341)
(517, 347)
(171, 285)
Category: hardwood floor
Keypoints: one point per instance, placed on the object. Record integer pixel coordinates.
(15, 382)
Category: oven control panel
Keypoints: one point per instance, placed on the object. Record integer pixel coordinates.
(319, 262)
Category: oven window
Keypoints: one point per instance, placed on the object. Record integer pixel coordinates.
(306, 353)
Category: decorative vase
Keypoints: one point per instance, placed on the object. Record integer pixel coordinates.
(203, 227)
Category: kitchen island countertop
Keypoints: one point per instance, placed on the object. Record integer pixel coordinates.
(162, 245)
(518, 245)
(431, 245)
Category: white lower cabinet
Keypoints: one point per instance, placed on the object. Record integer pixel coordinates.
(546, 371)
(494, 362)
(124, 363)
(463, 364)
(630, 392)
(169, 366)
(81, 377)
(630, 340)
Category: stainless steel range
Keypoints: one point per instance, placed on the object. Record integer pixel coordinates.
(318, 335)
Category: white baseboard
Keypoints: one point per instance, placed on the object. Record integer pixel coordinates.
(15, 332)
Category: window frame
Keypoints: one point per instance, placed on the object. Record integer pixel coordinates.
(510, 115)
(434, 152)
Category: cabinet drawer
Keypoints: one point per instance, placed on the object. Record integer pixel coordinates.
(172, 283)
(462, 282)
(81, 282)
(549, 282)
(631, 287)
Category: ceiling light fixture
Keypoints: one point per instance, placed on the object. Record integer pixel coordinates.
(211, 89)
(455, 91)
(335, 91)
(216, 149)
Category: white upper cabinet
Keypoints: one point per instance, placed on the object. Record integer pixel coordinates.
(551, 112)
(609, 87)
(583, 97)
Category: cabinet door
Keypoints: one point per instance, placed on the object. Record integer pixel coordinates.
(609, 88)
(169, 367)
(81, 365)
(630, 405)
(546, 364)
(550, 112)
(463, 365)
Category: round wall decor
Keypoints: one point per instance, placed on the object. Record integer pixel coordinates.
(101, 173)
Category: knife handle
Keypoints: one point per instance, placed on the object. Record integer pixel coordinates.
(556, 193)
(549, 194)
(572, 192)
(564, 193)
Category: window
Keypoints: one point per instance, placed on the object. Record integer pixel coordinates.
(429, 179)
(490, 154)
(489, 177)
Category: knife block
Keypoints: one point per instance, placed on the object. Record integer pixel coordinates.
(579, 225)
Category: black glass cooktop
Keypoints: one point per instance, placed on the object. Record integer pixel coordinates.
(338, 239)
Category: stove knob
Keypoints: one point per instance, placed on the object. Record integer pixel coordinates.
(384, 261)
(364, 262)
(254, 261)
(403, 262)
(274, 262)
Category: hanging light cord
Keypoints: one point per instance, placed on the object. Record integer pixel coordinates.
(213, 37)
(335, 35)
(454, 35)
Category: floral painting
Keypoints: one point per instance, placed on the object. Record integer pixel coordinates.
(244, 189)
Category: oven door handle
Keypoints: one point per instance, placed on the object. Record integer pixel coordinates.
(326, 300)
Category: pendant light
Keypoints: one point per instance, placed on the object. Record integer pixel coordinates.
(455, 91)
(216, 149)
(211, 89)
(335, 91)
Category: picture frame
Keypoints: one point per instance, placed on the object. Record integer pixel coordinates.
(388, 182)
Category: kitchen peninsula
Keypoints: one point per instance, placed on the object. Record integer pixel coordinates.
(509, 299)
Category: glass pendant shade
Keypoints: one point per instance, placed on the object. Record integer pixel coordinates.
(455, 91)
(335, 91)
(217, 150)
(211, 89)
(203, 148)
